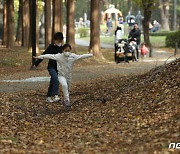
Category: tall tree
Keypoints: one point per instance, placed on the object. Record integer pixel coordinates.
(130, 6)
(70, 34)
(4, 39)
(57, 16)
(95, 28)
(25, 23)
(10, 24)
(147, 6)
(48, 30)
(164, 6)
(33, 33)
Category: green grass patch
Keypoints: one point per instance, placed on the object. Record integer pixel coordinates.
(156, 41)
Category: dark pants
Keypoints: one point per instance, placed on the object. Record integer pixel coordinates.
(54, 83)
(116, 48)
(137, 51)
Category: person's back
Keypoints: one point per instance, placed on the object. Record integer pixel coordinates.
(109, 23)
(118, 34)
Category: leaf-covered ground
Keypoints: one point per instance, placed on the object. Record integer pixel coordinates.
(139, 114)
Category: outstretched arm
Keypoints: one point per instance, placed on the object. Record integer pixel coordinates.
(49, 56)
(83, 56)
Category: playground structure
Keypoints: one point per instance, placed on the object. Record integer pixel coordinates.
(114, 14)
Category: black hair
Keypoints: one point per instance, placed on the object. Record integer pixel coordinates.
(118, 28)
(58, 36)
(66, 46)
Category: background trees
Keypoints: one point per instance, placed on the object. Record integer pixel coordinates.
(70, 34)
(47, 13)
(164, 6)
(147, 6)
(10, 23)
(95, 28)
(16, 18)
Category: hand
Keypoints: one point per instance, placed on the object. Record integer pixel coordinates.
(35, 57)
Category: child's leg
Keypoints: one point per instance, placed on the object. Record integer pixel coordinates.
(64, 85)
(54, 83)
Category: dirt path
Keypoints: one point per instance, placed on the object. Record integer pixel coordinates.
(80, 74)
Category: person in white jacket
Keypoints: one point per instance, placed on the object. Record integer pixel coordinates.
(65, 63)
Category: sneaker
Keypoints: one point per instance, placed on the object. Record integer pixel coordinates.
(66, 105)
(56, 98)
(49, 99)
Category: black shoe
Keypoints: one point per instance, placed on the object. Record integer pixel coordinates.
(66, 105)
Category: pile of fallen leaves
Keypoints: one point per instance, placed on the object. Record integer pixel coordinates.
(139, 114)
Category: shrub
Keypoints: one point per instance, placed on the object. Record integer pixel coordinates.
(172, 38)
(161, 33)
(83, 32)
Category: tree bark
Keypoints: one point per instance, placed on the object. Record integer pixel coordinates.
(164, 12)
(57, 17)
(146, 21)
(4, 39)
(25, 24)
(70, 35)
(10, 24)
(33, 26)
(48, 30)
(95, 29)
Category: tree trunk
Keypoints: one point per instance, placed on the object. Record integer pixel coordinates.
(19, 27)
(57, 16)
(48, 30)
(146, 21)
(26, 24)
(95, 29)
(70, 35)
(164, 12)
(10, 24)
(130, 6)
(4, 39)
(33, 26)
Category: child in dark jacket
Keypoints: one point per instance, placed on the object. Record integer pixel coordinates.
(54, 48)
(65, 62)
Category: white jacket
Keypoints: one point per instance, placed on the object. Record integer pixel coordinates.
(118, 36)
(64, 63)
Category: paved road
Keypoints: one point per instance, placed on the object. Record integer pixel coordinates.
(86, 43)
(34, 80)
(37, 80)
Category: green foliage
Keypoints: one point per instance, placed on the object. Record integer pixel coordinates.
(162, 33)
(16, 5)
(83, 32)
(82, 6)
(172, 38)
(146, 4)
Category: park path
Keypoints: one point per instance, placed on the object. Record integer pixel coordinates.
(34, 80)
(86, 44)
